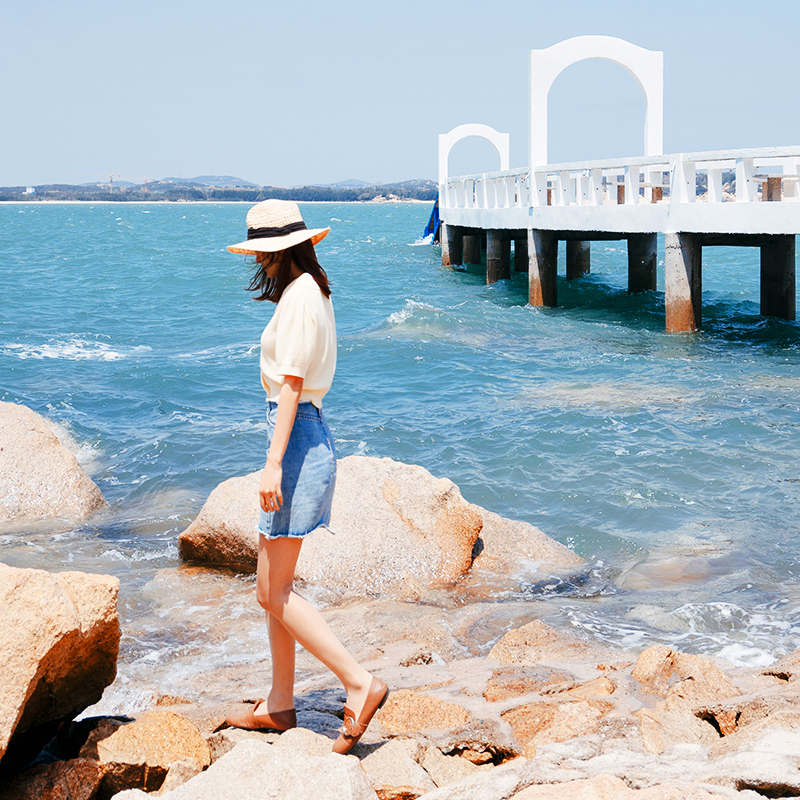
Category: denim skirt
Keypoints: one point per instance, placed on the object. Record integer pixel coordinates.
(309, 475)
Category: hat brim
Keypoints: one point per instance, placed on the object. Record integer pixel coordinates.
(276, 243)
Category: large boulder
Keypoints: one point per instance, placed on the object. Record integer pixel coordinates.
(394, 528)
(39, 476)
(59, 637)
(257, 769)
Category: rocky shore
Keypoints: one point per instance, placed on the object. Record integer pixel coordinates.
(487, 701)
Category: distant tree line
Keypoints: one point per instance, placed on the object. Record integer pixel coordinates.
(158, 190)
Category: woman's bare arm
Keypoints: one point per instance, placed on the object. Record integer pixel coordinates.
(269, 489)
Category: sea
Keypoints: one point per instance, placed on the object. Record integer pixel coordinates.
(669, 462)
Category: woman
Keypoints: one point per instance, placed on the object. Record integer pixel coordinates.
(298, 358)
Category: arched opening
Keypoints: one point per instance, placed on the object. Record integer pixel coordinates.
(596, 109)
(471, 155)
(646, 66)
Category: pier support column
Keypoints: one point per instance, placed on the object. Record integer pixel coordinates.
(452, 245)
(778, 277)
(578, 259)
(642, 262)
(521, 255)
(472, 248)
(542, 262)
(683, 262)
(498, 256)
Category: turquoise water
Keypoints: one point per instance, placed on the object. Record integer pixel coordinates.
(669, 462)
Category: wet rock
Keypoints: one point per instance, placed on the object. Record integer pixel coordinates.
(666, 672)
(407, 712)
(537, 642)
(506, 545)
(77, 779)
(139, 754)
(39, 476)
(394, 771)
(59, 637)
(256, 769)
(542, 722)
(517, 681)
(671, 722)
(482, 741)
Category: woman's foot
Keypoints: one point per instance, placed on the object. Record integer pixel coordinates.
(254, 719)
(355, 724)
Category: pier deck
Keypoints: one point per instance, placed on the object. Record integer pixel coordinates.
(628, 198)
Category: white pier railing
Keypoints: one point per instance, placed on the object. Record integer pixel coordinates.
(645, 194)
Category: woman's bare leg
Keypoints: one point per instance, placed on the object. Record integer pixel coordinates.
(281, 645)
(302, 622)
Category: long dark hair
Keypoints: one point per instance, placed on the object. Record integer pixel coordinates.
(304, 258)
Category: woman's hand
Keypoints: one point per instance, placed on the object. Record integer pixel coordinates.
(269, 488)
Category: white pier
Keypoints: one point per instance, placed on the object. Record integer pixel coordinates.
(625, 198)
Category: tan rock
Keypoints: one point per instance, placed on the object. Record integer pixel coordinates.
(225, 740)
(673, 722)
(443, 769)
(516, 681)
(394, 771)
(427, 530)
(609, 787)
(178, 773)
(255, 769)
(139, 754)
(39, 476)
(666, 672)
(506, 545)
(545, 722)
(537, 642)
(224, 532)
(59, 636)
(408, 712)
(77, 779)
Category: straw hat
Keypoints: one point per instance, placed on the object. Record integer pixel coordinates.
(274, 225)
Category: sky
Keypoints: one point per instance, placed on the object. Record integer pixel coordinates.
(311, 91)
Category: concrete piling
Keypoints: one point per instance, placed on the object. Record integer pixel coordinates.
(452, 245)
(472, 248)
(521, 255)
(778, 293)
(642, 262)
(683, 261)
(578, 258)
(498, 256)
(542, 268)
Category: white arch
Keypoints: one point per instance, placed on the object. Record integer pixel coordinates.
(447, 140)
(646, 66)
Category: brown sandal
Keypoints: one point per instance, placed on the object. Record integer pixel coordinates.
(278, 721)
(353, 730)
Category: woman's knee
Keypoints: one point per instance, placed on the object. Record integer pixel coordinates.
(272, 598)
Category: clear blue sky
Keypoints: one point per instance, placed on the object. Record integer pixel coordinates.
(304, 91)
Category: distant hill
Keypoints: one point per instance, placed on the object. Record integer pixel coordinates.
(217, 181)
(222, 188)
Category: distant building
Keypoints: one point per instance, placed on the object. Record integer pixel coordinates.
(30, 190)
